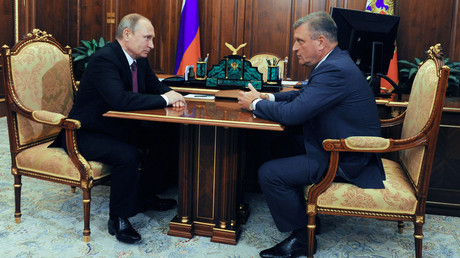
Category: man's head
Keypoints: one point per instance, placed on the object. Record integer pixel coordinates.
(135, 34)
(315, 35)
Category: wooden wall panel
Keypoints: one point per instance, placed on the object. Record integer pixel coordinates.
(455, 34)
(273, 27)
(219, 22)
(59, 24)
(7, 21)
(264, 24)
(90, 21)
(423, 24)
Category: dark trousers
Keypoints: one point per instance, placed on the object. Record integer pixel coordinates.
(282, 181)
(150, 146)
(124, 159)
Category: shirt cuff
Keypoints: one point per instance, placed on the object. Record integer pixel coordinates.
(254, 103)
(166, 99)
(271, 97)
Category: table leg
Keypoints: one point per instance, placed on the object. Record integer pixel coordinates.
(210, 191)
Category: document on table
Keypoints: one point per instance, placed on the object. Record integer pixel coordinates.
(199, 96)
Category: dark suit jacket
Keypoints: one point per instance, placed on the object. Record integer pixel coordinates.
(336, 103)
(107, 85)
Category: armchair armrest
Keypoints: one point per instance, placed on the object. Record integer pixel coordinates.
(367, 143)
(56, 119)
(358, 144)
(373, 144)
(48, 117)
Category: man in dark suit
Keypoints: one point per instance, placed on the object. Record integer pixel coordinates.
(110, 83)
(336, 103)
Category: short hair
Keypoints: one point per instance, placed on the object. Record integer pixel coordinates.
(130, 22)
(321, 23)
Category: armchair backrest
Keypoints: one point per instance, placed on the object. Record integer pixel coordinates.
(423, 115)
(38, 76)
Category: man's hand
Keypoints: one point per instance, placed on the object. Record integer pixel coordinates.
(175, 99)
(176, 111)
(246, 98)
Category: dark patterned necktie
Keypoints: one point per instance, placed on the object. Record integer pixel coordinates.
(134, 74)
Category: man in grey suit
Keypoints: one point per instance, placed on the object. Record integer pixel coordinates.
(119, 77)
(336, 103)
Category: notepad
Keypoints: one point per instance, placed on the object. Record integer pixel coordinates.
(199, 96)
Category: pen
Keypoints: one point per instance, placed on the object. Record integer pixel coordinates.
(201, 95)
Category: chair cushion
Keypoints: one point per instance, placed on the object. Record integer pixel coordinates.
(55, 162)
(397, 197)
(418, 113)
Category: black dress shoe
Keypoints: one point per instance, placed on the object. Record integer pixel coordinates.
(294, 246)
(155, 203)
(123, 231)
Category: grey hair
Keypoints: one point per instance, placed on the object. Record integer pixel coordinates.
(129, 22)
(321, 23)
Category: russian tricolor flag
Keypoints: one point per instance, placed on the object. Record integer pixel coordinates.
(188, 46)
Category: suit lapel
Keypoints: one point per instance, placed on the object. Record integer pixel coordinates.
(125, 65)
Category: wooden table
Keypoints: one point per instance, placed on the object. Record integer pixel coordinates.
(211, 165)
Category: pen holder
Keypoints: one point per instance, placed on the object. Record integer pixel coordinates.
(201, 68)
(273, 74)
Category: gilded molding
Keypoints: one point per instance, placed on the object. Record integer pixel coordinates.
(16, 24)
(50, 178)
(184, 219)
(365, 213)
(311, 209)
(39, 34)
(418, 236)
(136, 115)
(419, 219)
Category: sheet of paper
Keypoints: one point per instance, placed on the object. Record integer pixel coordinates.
(289, 82)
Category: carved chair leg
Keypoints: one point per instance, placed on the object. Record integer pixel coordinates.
(72, 188)
(400, 227)
(311, 234)
(418, 236)
(86, 213)
(17, 198)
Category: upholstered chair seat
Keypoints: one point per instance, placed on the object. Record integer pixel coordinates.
(55, 162)
(398, 196)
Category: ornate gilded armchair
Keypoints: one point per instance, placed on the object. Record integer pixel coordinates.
(39, 93)
(260, 61)
(407, 180)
